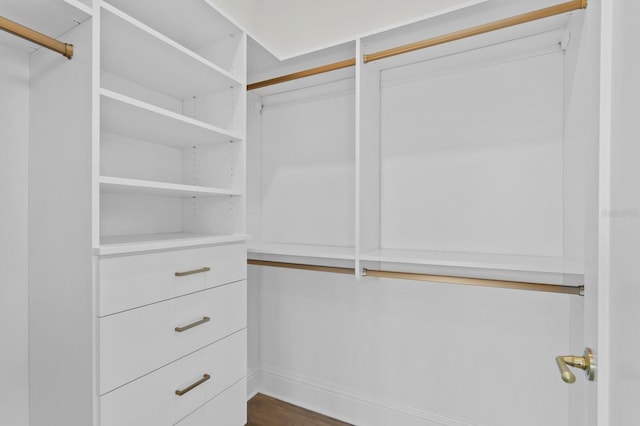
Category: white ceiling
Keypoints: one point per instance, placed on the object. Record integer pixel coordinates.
(289, 28)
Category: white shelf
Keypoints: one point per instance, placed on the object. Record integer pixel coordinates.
(113, 245)
(191, 23)
(130, 117)
(117, 185)
(138, 53)
(302, 250)
(544, 264)
(83, 5)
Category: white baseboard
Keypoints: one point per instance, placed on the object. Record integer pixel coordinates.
(253, 383)
(342, 404)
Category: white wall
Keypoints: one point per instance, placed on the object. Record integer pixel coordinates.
(391, 352)
(14, 149)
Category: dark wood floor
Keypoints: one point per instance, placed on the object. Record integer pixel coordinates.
(266, 411)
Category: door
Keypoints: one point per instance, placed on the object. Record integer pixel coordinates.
(613, 295)
(619, 310)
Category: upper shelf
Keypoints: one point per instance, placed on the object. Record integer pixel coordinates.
(192, 24)
(140, 54)
(129, 117)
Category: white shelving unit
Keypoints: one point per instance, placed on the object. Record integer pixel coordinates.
(450, 176)
(302, 164)
(171, 126)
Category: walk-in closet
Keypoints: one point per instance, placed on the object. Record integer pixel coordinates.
(386, 213)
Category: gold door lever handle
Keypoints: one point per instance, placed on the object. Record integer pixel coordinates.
(585, 363)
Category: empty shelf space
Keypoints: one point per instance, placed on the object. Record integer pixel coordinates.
(194, 24)
(121, 244)
(138, 53)
(129, 117)
(145, 187)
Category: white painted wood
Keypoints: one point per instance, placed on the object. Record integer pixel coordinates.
(152, 399)
(253, 333)
(193, 24)
(469, 260)
(368, 158)
(138, 341)
(472, 162)
(125, 157)
(308, 166)
(117, 185)
(581, 181)
(129, 117)
(210, 166)
(130, 281)
(140, 92)
(121, 244)
(83, 5)
(303, 250)
(214, 215)
(124, 214)
(618, 313)
(139, 53)
(340, 382)
(60, 264)
(14, 285)
(229, 408)
(218, 165)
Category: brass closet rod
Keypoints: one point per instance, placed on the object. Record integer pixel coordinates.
(447, 279)
(14, 28)
(434, 41)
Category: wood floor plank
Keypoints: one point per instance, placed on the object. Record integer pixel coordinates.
(264, 410)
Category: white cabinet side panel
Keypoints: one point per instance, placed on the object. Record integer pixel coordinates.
(60, 263)
(14, 151)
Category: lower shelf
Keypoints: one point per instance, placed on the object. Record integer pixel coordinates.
(301, 250)
(121, 244)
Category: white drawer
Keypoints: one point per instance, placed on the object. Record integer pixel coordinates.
(135, 342)
(130, 281)
(227, 409)
(152, 399)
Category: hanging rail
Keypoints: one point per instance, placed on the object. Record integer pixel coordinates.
(480, 29)
(457, 35)
(306, 73)
(447, 279)
(14, 28)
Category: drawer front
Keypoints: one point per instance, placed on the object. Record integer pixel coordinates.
(152, 399)
(127, 282)
(135, 342)
(227, 409)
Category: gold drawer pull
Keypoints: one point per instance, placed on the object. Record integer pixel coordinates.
(195, 271)
(193, 324)
(196, 384)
